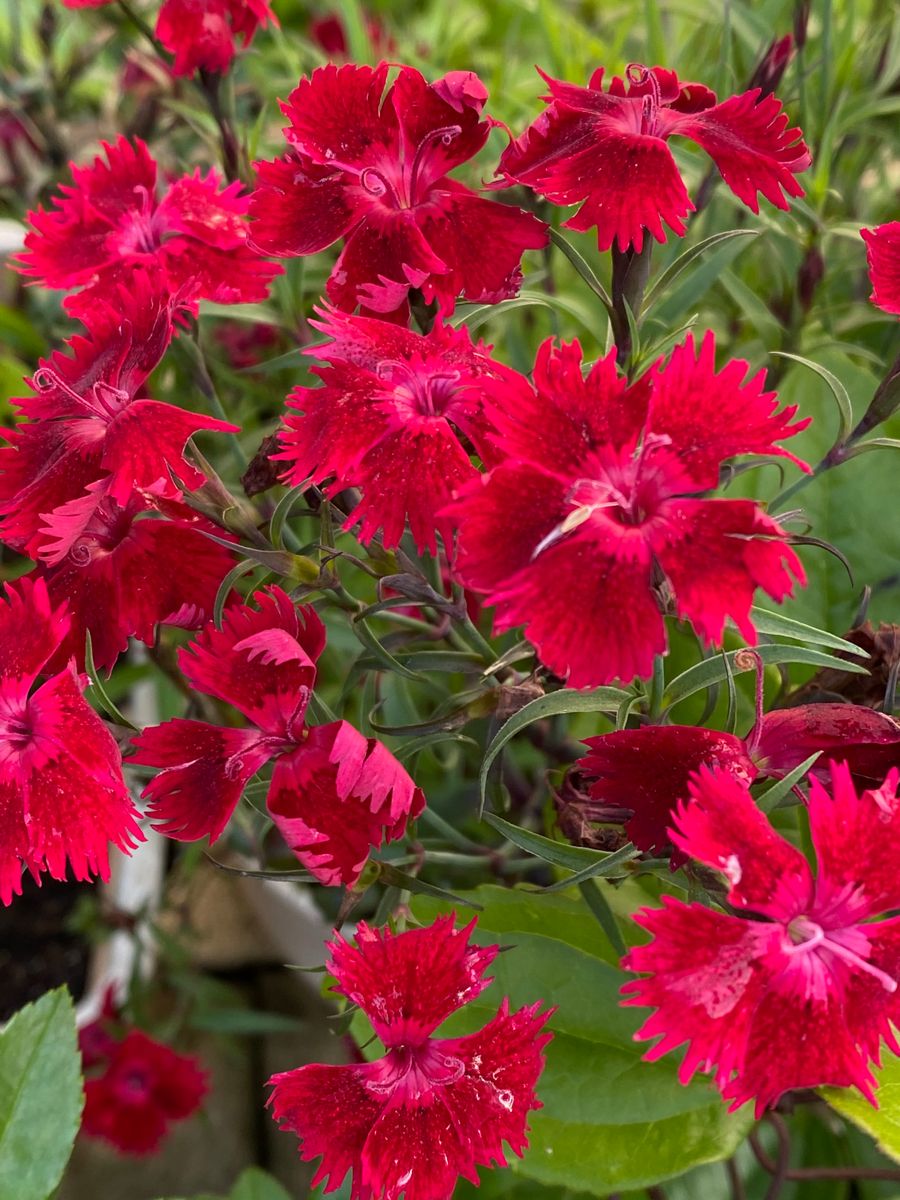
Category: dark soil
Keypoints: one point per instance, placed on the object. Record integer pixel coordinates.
(36, 951)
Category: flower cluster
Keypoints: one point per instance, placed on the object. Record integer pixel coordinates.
(449, 1103)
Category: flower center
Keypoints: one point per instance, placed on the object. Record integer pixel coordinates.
(642, 77)
(414, 1071)
(141, 231)
(418, 392)
(398, 185)
(808, 937)
(624, 488)
(106, 401)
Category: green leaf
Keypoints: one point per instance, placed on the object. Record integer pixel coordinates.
(40, 1097)
(773, 795)
(257, 1185)
(566, 700)
(840, 393)
(883, 1122)
(777, 625)
(582, 266)
(683, 261)
(585, 862)
(714, 670)
(282, 511)
(610, 1122)
(98, 689)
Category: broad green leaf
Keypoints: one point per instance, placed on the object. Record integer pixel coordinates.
(566, 700)
(610, 1122)
(883, 1122)
(257, 1185)
(40, 1097)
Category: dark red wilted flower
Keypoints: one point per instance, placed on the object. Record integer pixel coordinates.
(607, 151)
(62, 795)
(883, 253)
(111, 219)
(390, 420)
(638, 776)
(333, 794)
(375, 171)
(136, 1088)
(801, 991)
(431, 1110)
(600, 489)
(89, 429)
(203, 34)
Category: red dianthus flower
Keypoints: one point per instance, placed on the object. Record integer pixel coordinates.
(600, 494)
(608, 150)
(333, 793)
(390, 420)
(111, 219)
(136, 1088)
(800, 992)
(202, 34)
(376, 172)
(62, 795)
(431, 1110)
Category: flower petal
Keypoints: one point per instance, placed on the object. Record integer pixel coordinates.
(482, 243)
(883, 254)
(409, 983)
(857, 837)
(298, 207)
(338, 795)
(262, 660)
(707, 973)
(336, 116)
(721, 825)
(332, 1111)
(748, 139)
(866, 740)
(711, 417)
(205, 768)
(716, 553)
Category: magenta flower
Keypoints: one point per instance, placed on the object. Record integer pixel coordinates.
(883, 253)
(90, 429)
(62, 795)
(124, 570)
(638, 776)
(431, 1110)
(136, 1087)
(110, 219)
(391, 420)
(600, 493)
(800, 992)
(333, 794)
(202, 34)
(375, 171)
(607, 150)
